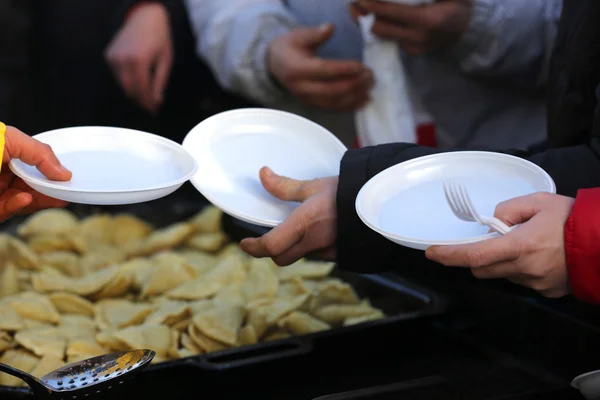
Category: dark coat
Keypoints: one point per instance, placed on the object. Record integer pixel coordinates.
(572, 156)
(16, 20)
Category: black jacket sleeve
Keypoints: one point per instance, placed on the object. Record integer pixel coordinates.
(362, 250)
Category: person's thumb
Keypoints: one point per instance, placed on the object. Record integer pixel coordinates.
(35, 153)
(285, 188)
(518, 210)
(313, 37)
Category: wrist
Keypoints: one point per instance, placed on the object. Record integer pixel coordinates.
(264, 57)
(276, 82)
(271, 74)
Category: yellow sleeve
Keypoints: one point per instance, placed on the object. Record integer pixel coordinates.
(2, 141)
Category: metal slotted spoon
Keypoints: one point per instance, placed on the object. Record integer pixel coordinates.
(86, 377)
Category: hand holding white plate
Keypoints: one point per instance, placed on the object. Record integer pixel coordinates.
(233, 146)
(110, 166)
(406, 202)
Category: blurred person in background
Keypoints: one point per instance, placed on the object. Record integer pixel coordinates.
(87, 49)
(152, 59)
(488, 57)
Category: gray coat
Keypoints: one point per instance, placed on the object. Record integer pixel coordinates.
(487, 90)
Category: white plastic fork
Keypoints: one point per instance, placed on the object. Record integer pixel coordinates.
(461, 205)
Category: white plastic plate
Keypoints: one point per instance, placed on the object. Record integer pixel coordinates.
(231, 148)
(111, 166)
(406, 202)
(588, 384)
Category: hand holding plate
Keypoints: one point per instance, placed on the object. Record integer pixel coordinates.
(532, 255)
(310, 228)
(15, 196)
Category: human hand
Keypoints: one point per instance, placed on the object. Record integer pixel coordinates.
(328, 84)
(418, 29)
(309, 230)
(531, 255)
(15, 196)
(141, 55)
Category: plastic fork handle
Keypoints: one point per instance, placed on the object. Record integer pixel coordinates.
(500, 226)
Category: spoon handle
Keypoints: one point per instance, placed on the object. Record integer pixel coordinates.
(32, 381)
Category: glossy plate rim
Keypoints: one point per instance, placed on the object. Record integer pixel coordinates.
(166, 143)
(195, 181)
(407, 241)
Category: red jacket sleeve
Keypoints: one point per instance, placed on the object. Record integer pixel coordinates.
(582, 246)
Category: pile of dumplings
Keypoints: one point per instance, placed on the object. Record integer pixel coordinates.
(72, 289)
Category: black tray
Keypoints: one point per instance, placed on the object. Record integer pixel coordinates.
(413, 360)
(441, 388)
(400, 300)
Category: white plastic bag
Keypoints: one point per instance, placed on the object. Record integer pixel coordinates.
(390, 115)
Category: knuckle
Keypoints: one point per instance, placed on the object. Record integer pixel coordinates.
(431, 18)
(45, 149)
(344, 88)
(320, 64)
(540, 197)
(501, 209)
(282, 185)
(302, 222)
(305, 188)
(526, 245)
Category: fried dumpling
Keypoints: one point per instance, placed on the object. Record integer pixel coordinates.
(167, 275)
(69, 303)
(118, 313)
(208, 220)
(127, 229)
(305, 270)
(50, 221)
(19, 359)
(34, 306)
(163, 239)
(49, 243)
(229, 270)
(63, 261)
(300, 323)
(9, 280)
(221, 323)
(262, 282)
(43, 341)
(337, 313)
(208, 242)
